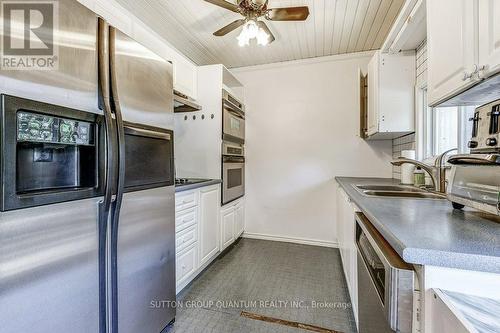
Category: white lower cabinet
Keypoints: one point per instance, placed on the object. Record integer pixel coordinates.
(209, 223)
(239, 222)
(232, 222)
(196, 231)
(185, 265)
(346, 234)
(227, 223)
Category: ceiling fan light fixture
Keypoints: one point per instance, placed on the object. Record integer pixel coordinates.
(243, 40)
(251, 30)
(262, 38)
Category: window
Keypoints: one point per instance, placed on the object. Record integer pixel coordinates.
(445, 128)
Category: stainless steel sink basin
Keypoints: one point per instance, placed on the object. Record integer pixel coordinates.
(402, 194)
(393, 188)
(397, 191)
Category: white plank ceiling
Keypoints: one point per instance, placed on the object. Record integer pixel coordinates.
(333, 27)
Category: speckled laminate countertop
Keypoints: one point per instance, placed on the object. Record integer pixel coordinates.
(430, 232)
(187, 187)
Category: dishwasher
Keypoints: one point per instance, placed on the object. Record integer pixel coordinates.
(385, 283)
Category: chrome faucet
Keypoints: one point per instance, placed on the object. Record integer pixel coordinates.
(436, 172)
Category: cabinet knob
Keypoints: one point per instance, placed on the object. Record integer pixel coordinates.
(466, 76)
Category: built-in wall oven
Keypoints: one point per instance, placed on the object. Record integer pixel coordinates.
(233, 171)
(233, 119)
(385, 283)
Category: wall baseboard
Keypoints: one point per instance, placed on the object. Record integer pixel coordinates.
(296, 240)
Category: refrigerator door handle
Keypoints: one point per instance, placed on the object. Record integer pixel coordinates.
(115, 214)
(105, 204)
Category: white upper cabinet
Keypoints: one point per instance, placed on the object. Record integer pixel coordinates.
(489, 37)
(391, 91)
(185, 77)
(451, 47)
(463, 45)
(372, 99)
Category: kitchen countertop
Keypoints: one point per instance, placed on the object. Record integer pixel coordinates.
(187, 187)
(479, 313)
(430, 232)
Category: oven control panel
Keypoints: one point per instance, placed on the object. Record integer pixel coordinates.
(34, 127)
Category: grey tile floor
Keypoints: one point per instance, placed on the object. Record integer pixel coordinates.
(287, 281)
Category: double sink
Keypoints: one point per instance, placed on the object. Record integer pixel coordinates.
(397, 191)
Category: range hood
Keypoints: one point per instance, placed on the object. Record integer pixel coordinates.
(183, 103)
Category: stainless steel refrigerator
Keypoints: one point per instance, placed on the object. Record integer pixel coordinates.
(93, 253)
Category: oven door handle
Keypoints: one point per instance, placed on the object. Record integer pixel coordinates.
(232, 107)
(233, 159)
(236, 113)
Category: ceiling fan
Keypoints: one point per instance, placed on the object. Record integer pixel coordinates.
(252, 11)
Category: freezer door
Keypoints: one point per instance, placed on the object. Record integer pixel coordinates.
(146, 260)
(49, 269)
(144, 84)
(74, 83)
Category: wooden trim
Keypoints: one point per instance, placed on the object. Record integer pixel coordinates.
(294, 324)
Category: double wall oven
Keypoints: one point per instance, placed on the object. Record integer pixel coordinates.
(233, 151)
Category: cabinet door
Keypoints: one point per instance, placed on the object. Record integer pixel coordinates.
(227, 221)
(185, 77)
(239, 220)
(209, 223)
(373, 81)
(489, 36)
(353, 258)
(185, 265)
(340, 219)
(451, 46)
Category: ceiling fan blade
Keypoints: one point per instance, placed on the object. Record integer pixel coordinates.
(288, 14)
(230, 27)
(224, 4)
(264, 27)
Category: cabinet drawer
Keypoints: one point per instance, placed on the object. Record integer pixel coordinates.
(185, 264)
(186, 200)
(185, 238)
(186, 219)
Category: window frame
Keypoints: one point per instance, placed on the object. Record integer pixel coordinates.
(426, 121)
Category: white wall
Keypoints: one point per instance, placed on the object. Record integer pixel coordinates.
(302, 131)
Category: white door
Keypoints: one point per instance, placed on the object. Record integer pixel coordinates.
(489, 36)
(451, 46)
(373, 83)
(209, 223)
(227, 221)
